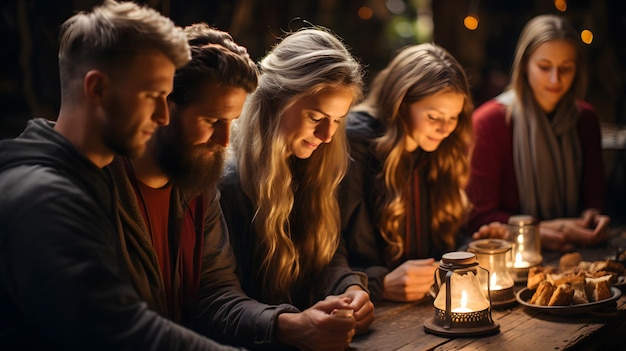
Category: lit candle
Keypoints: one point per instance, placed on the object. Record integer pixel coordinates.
(493, 285)
(519, 261)
(463, 307)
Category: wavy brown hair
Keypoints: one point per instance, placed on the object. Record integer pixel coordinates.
(297, 214)
(414, 73)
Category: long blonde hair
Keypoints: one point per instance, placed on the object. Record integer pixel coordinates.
(414, 73)
(297, 215)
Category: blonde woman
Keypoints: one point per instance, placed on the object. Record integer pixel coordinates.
(538, 148)
(279, 190)
(402, 201)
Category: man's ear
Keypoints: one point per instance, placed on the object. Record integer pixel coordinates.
(94, 85)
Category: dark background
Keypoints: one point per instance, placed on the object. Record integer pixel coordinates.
(29, 84)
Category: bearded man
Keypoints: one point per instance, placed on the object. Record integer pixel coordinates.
(171, 227)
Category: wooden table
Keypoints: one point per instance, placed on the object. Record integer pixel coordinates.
(400, 326)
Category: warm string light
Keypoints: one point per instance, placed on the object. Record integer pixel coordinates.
(365, 13)
(586, 36)
(471, 20)
(560, 5)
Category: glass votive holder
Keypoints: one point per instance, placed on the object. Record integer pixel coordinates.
(494, 255)
(526, 245)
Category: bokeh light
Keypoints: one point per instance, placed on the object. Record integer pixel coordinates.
(365, 13)
(470, 22)
(560, 5)
(586, 36)
(424, 28)
(403, 28)
(397, 7)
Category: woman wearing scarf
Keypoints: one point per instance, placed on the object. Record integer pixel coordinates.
(538, 148)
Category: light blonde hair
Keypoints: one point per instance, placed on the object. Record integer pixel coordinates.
(297, 215)
(111, 35)
(414, 73)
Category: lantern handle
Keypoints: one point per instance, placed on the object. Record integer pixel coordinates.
(448, 313)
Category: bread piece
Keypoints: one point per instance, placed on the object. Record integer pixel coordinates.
(599, 274)
(569, 260)
(557, 279)
(580, 294)
(584, 265)
(535, 276)
(607, 266)
(598, 289)
(543, 293)
(562, 296)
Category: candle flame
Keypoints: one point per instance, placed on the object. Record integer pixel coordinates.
(494, 279)
(518, 257)
(463, 299)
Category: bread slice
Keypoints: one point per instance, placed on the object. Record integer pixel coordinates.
(543, 293)
(580, 294)
(598, 289)
(562, 296)
(558, 278)
(535, 276)
(608, 266)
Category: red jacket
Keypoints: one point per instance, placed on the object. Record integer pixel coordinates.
(492, 188)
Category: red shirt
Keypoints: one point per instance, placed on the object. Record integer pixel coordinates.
(155, 208)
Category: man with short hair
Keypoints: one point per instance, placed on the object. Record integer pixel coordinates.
(63, 282)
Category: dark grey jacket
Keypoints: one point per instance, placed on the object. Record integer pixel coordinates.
(357, 198)
(239, 212)
(63, 282)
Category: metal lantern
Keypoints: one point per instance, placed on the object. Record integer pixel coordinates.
(462, 308)
(526, 245)
(494, 255)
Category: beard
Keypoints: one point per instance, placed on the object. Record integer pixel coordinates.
(195, 169)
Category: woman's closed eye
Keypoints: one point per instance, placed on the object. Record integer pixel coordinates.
(315, 117)
(210, 121)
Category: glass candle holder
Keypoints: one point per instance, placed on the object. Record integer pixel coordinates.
(494, 255)
(526, 245)
(462, 308)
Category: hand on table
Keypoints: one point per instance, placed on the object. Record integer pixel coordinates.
(564, 234)
(410, 281)
(316, 328)
(493, 230)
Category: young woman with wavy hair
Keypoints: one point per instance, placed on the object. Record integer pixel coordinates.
(402, 201)
(538, 144)
(289, 155)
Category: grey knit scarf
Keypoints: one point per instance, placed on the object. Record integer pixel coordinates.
(547, 157)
